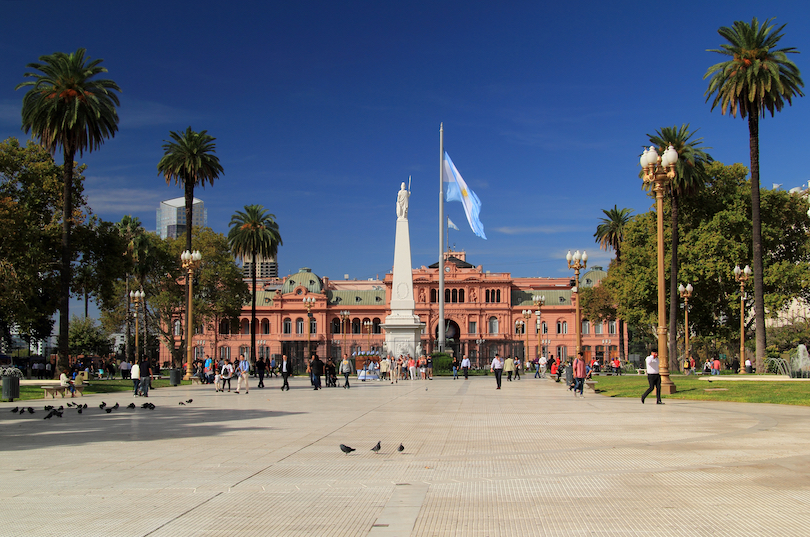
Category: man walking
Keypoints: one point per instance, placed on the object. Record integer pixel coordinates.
(465, 366)
(242, 372)
(146, 376)
(316, 367)
(260, 368)
(497, 368)
(541, 366)
(579, 374)
(286, 370)
(346, 370)
(653, 378)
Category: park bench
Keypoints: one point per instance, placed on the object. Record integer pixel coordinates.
(641, 371)
(53, 389)
(590, 384)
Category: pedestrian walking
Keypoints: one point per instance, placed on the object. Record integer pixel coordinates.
(316, 366)
(653, 378)
(509, 367)
(497, 368)
(227, 374)
(455, 367)
(579, 374)
(346, 371)
(260, 369)
(242, 372)
(465, 366)
(285, 368)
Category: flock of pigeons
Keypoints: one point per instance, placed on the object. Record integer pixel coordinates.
(376, 449)
(58, 412)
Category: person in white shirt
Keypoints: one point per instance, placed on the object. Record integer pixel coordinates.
(465, 365)
(497, 368)
(653, 378)
(135, 374)
(227, 374)
(542, 366)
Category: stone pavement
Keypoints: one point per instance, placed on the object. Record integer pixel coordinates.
(529, 459)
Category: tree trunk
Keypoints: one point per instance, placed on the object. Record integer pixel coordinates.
(65, 272)
(621, 341)
(673, 287)
(253, 312)
(128, 323)
(756, 225)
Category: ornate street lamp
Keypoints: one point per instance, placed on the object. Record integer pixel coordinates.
(539, 301)
(344, 322)
(580, 261)
(368, 325)
(660, 170)
(527, 314)
(137, 298)
(742, 277)
(480, 343)
(190, 260)
(309, 301)
(686, 294)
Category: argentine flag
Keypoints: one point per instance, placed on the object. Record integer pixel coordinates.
(457, 190)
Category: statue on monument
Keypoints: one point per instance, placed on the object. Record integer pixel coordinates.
(402, 202)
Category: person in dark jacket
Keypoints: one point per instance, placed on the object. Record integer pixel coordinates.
(316, 366)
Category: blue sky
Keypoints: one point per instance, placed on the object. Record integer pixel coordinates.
(321, 109)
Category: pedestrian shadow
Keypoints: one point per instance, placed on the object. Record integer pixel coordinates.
(31, 431)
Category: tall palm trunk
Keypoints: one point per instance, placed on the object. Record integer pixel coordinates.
(189, 195)
(756, 224)
(253, 311)
(673, 287)
(64, 276)
(127, 346)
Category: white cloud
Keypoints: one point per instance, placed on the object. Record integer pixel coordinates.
(534, 230)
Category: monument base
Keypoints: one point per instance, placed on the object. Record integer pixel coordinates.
(403, 335)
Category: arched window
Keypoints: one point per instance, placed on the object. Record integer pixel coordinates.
(287, 326)
(612, 328)
(313, 326)
(545, 327)
(498, 295)
(565, 327)
(597, 328)
(461, 295)
(433, 295)
(299, 326)
(376, 326)
(225, 327)
(493, 325)
(455, 295)
(265, 326)
(486, 295)
(586, 327)
(178, 330)
(355, 326)
(245, 326)
(520, 327)
(447, 295)
(336, 326)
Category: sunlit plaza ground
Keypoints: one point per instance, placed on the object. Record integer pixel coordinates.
(529, 459)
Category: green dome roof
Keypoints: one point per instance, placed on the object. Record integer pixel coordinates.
(305, 278)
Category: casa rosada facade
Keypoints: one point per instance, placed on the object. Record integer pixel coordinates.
(485, 312)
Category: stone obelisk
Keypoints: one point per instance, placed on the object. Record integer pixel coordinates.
(402, 327)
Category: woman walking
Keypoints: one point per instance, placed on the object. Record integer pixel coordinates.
(227, 374)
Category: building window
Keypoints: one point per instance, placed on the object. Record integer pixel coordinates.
(287, 326)
(461, 295)
(493, 325)
(612, 328)
(433, 295)
(225, 352)
(447, 295)
(245, 350)
(498, 296)
(562, 352)
(520, 327)
(586, 327)
(356, 326)
(336, 326)
(545, 327)
(455, 295)
(313, 326)
(265, 326)
(486, 295)
(225, 327)
(299, 326)
(375, 328)
(178, 331)
(473, 327)
(562, 327)
(597, 328)
(245, 326)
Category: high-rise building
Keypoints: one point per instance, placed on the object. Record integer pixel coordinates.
(171, 217)
(265, 268)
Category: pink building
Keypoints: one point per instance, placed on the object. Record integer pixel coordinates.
(484, 314)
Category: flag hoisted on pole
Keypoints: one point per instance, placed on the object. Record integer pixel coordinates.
(441, 330)
(457, 190)
(451, 225)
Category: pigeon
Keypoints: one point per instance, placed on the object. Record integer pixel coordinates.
(48, 407)
(50, 415)
(61, 408)
(108, 410)
(131, 405)
(346, 449)
(80, 410)
(115, 407)
(85, 406)
(181, 403)
(190, 401)
(102, 405)
(401, 448)
(58, 414)
(15, 409)
(376, 448)
(30, 410)
(70, 404)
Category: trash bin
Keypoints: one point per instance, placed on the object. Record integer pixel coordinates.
(175, 376)
(11, 387)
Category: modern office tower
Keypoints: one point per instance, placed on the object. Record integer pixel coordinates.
(171, 217)
(265, 268)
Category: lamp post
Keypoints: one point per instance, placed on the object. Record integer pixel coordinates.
(344, 322)
(137, 298)
(660, 170)
(308, 302)
(606, 357)
(480, 342)
(190, 260)
(527, 314)
(686, 294)
(742, 277)
(539, 301)
(580, 261)
(368, 325)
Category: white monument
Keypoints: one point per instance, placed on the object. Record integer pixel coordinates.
(402, 327)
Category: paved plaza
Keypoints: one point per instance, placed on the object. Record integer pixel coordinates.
(529, 459)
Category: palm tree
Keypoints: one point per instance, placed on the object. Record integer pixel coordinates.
(253, 233)
(609, 234)
(690, 176)
(756, 78)
(129, 228)
(189, 160)
(67, 107)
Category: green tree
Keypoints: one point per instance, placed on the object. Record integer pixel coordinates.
(68, 107)
(129, 228)
(690, 177)
(757, 78)
(253, 234)
(88, 338)
(189, 160)
(609, 234)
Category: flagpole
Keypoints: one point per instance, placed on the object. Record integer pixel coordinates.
(440, 341)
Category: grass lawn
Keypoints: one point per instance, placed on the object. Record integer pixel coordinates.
(28, 392)
(776, 392)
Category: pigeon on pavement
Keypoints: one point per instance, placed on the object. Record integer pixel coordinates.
(15, 409)
(401, 448)
(346, 449)
(376, 448)
(190, 401)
